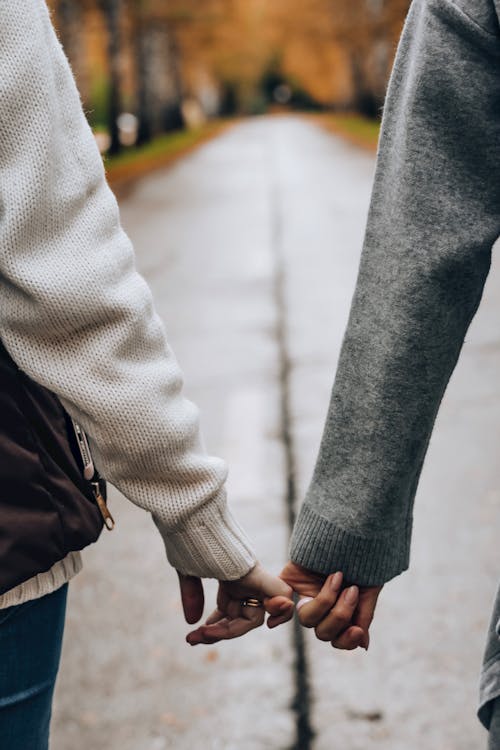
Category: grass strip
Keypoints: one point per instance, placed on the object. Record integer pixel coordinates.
(133, 163)
(358, 130)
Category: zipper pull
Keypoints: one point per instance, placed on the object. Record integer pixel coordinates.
(109, 521)
(83, 444)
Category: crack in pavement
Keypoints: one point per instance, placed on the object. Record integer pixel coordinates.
(301, 702)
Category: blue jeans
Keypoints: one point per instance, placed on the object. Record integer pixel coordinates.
(30, 649)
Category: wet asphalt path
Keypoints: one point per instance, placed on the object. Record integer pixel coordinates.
(251, 246)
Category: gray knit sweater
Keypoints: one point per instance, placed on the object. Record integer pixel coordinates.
(434, 216)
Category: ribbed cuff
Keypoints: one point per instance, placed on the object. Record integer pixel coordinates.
(320, 545)
(211, 544)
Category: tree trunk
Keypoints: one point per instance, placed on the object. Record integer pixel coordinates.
(112, 11)
(173, 119)
(69, 19)
(142, 45)
(159, 86)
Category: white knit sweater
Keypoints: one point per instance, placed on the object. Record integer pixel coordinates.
(77, 317)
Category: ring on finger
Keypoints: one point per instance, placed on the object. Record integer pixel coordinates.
(303, 600)
(251, 602)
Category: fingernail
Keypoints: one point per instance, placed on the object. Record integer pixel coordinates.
(351, 595)
(336, 581)
(285, 606)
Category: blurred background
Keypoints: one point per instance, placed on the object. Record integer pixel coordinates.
(240, 137)
(146, 67)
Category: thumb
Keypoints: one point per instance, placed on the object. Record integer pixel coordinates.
(193, 599)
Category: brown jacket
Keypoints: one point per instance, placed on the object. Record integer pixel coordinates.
(47, 508)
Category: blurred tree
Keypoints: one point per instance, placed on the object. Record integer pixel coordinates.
(154, 56)
(145, 129)
(159, 80)
(309, 56)
(368, 31)
(113, 10)
(69, 18)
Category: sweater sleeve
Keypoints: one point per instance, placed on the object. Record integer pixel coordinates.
(433, 219)
(76, 316)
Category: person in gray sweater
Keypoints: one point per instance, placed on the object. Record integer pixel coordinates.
(434, 217)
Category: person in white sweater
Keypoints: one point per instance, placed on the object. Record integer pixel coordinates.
(77, 318)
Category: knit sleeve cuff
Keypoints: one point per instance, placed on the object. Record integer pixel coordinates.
(320, 545)
(210, 544)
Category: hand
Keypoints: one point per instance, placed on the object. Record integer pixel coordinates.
(340, 615)
(231, 619)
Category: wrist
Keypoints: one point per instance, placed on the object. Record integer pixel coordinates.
(210, 544)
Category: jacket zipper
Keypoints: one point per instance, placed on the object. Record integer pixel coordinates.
(109, 521)
(91, 474)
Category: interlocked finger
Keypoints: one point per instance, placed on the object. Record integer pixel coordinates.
(340, 616)
(311, 613)
(280, 609)
(350, 639)
(255, 615)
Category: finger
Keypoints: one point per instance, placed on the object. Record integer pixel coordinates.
(202, 635)
(255, 615)
(223, 598)
(339, 617)
(225, 630)
(214, 617)
(349, 639)
(275, 605)
(311, 613)
(280, 611)
(234, 609)
(192, 596)
(305, 582)
(365, 611)
(267, 584)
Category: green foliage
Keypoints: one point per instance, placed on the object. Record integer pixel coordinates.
(361, 130)
(362, 127)
(97, 107)
(252, 103)
(162, 147)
